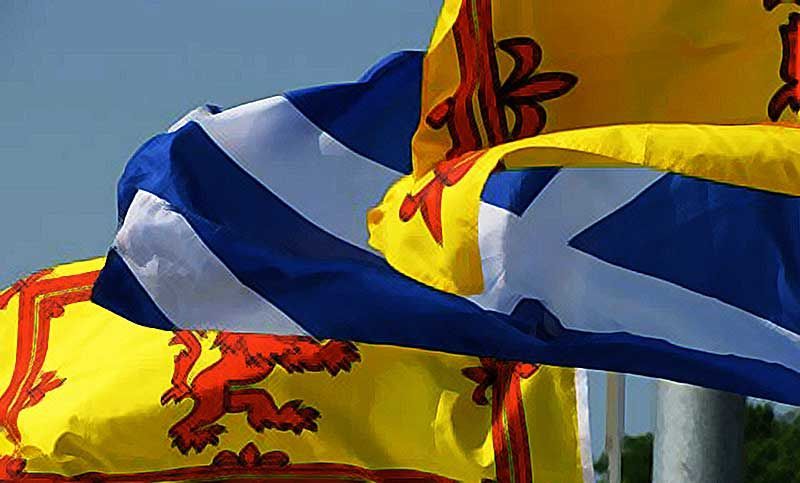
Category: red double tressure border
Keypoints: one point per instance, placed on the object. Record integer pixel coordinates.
(512, 454)
(249, 464)
(40, 301)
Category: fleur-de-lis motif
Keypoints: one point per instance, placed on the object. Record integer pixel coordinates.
(788, 95)
(522, 92)
(525, 90)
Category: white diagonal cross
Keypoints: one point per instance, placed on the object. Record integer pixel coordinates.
(529, 257)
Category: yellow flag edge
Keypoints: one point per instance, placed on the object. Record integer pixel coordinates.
(765, 157)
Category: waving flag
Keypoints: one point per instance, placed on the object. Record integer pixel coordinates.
(677, 255)
(537, 67)
(252, 221)
(88, 396)
(253, 218)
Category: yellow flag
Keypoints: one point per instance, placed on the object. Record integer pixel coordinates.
(497, 71)
(84, 391)
(703, 89)
(410, 229)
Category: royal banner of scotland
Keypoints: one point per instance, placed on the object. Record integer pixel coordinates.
(88, 396)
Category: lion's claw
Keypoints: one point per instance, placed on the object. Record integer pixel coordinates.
(198, 439)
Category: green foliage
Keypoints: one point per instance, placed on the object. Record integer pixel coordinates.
(772, 446)
(637, 460)
(601, 466)
(772, 450)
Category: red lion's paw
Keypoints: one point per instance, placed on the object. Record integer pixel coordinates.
(339, 356)
(197, 439)
(292, 416)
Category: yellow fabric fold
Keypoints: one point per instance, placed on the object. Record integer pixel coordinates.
(765, 157)
(455, 264)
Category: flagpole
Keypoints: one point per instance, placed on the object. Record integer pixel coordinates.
(615, 424)
(699, 435)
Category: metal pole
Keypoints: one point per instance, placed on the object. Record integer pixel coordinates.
(699, 435)
(615, 424)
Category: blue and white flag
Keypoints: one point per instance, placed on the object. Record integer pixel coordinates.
(254, 219)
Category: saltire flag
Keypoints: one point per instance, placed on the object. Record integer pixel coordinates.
(253, 218)
(85, 395)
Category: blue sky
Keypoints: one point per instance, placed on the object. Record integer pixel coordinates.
(84, 83)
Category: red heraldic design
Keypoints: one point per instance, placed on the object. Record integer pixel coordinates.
(247, 465)
(428, 200)
(522, 93)
(247, 359)
(512, 455)
(40, 301)
(789, 94)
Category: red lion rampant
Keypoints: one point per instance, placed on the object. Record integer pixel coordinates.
(246, 360)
